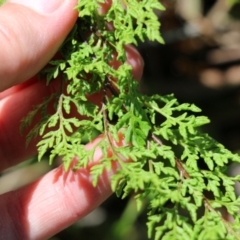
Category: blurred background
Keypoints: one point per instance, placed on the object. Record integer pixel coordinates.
(199, 63)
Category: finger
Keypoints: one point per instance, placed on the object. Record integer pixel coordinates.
(30, 34)
(17, 102)
(52, 203)
(13, 108)
(133, 58)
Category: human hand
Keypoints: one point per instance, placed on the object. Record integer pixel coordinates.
(30, 35)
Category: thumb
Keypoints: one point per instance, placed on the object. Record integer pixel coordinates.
(30, 34)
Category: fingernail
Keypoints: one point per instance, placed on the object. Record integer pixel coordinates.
(40, 6)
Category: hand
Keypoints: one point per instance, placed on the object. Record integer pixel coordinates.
(30, 35)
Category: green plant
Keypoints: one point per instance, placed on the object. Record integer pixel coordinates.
(164, 169)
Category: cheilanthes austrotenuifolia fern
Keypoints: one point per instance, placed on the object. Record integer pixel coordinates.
(173, 184)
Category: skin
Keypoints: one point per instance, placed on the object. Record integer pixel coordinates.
(59, 198)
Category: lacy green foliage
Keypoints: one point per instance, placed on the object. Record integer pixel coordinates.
(162, 136)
